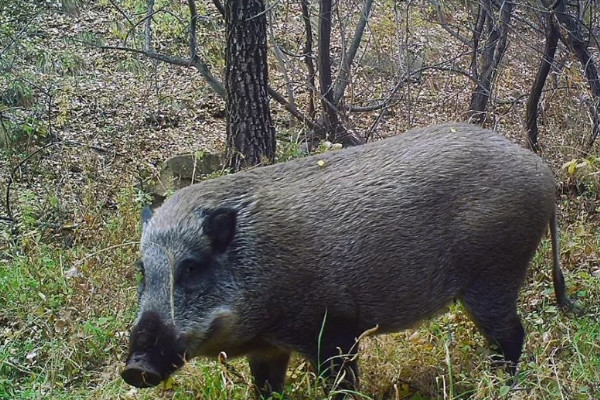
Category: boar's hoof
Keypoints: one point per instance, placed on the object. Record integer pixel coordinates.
(140, 374)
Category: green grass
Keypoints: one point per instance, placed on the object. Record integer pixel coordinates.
(65, 337)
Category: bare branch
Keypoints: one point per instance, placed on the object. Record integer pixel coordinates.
(531, 111)
(334, 126)
(11, 178)
(575, 41)
(493, 53)
(443, 21)
(281, 60)
(324, 58)
(344, 76)
(220, 7)
(308, 58)
(197, 63)
(193, 25)
(481, 17)
(148, 30)
(120, 10)
(293, 110)
(384, 103)
(16, 37)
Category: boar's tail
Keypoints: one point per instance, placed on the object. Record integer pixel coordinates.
(557, 276)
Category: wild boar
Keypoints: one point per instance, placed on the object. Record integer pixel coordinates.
(306, 255)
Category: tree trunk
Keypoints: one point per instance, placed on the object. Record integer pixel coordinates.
(531, 111)
(250, 130)
(324, 65)
(308, 58)
(495, 47)
(573, 38)
(334, 126)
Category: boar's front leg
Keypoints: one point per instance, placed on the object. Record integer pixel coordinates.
(268, 370)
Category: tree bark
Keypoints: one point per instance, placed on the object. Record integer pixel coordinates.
(250, 130)
(531, 111)
(574, 39)
(493, 53)
(336, 129)
(308, 58)
(343, 78)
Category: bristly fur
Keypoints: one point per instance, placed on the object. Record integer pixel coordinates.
(384, 234)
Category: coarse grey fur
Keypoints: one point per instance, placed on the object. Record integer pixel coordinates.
(386, 234)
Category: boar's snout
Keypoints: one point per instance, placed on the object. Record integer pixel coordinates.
(140, 373)
(155, 352)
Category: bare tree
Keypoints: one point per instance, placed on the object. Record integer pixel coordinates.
(495, 30)
(573, 35)
(531, 111)
(564, 22)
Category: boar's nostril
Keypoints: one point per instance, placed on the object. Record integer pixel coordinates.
(140, 374)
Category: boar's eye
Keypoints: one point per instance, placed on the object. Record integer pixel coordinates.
(191, 271)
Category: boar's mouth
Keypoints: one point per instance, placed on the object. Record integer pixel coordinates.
(155, 352)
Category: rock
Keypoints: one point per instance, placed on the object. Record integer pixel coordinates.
(180, 171)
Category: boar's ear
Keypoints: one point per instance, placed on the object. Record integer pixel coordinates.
(219, 226)
(146, 216)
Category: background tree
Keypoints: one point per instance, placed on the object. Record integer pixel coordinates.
(250, 130)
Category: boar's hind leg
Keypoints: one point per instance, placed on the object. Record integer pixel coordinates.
(268, 370)
(494, 311)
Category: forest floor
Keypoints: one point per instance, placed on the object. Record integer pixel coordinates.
(89, 128)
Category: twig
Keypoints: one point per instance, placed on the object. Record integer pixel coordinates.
(115, 246)
(14, 171)
(90, 146)
(309, 59)
(293, 110)
(148, 23)
(344, 75)
(16, 37)
(444, 24)
(266, 10)
(120, 10)
(197, 63)
(220, 7)
(385, 102)
(193, 24)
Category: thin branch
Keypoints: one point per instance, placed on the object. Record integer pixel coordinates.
(443, 21)
(197, 63)
(531, 111)
(140, 22)
(344, 76)
(266, 10)
(11, 178)
(193, 27)
(407, 78)
(120, 10)
(148, 30)
(220, 7)
(481, 17)
(282, 62)
(18, 35)
(293, 110)
(308, 58)
(575, 41)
